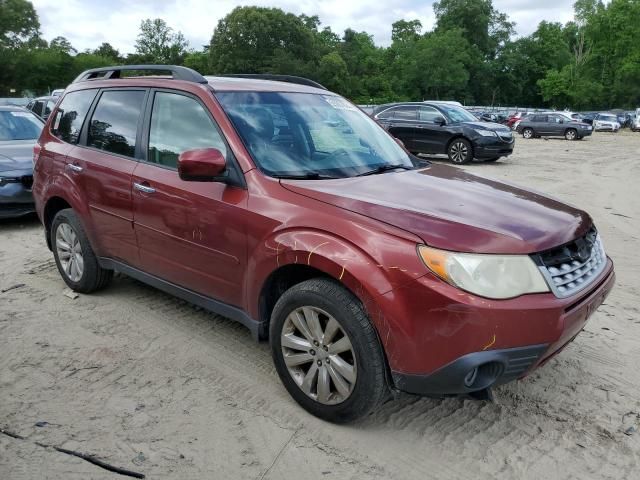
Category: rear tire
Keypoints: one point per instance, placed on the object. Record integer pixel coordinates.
(460, 151)
(571, 134)
(77, 264)
(528, 133)
(310, 321)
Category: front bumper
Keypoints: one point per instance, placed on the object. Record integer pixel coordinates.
(16, 198)
(448, 333)
(488, 147)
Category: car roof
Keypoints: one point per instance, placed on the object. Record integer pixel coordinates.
(227, 84)
(47, 97)
(218, 84)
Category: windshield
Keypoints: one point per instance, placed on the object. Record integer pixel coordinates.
(608, 118)
(19, 125)
(457, 114)
(302, 134)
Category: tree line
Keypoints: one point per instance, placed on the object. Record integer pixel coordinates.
(471, 55)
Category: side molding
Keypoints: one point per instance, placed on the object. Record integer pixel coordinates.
(208, 303)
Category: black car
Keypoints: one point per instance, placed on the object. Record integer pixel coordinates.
(42, 106)
(19, 131)
(443, 128)
(553, 125)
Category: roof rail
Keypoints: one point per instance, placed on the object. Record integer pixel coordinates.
(278, 78)
(105, 73)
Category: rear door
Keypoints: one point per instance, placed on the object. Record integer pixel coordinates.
(402, 123)
(103, 163)
(191, 234)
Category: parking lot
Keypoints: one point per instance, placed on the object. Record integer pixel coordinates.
(154, 385)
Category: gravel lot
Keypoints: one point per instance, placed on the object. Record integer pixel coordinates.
(151, 384)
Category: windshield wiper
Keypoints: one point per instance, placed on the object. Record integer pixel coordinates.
(383, 169)
(306, 176)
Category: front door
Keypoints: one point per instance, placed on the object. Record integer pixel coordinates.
(191, 234)
(432, 135)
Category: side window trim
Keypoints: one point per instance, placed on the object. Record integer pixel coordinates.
(84, 134)
(236, 176)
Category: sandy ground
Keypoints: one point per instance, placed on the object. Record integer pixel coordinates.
(154, 385)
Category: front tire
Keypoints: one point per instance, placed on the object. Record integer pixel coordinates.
(460, 151)
(327, 352)
(528, 133)
(76, 261)
(571, 134)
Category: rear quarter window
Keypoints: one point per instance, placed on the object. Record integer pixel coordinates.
(70, 115)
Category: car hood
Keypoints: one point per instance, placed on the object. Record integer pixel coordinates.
(16, 155)
(486, 126)
(454, 210)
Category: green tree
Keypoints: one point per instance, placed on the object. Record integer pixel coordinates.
(18, 23)
(105, 50)
(258, 39)
(439, 79)
(333, 72)
(158, 43)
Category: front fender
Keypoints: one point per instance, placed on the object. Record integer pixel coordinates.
(385, 264)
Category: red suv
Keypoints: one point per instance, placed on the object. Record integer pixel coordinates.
(283, 206)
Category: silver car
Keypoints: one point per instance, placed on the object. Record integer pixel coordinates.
(19, 131)
(606, 122)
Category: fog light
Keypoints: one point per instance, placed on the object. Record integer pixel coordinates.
(470, 379)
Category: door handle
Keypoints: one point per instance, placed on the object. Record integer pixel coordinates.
(75, 168)
(144, 188)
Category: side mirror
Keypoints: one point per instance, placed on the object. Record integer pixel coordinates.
(440, 121)
(202, 165)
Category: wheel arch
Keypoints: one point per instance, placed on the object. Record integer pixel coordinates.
(63, 194)
(293, 256)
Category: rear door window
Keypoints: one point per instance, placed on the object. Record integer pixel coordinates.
(71, 114)
(406, 113)
(114, 123)
(180, 123)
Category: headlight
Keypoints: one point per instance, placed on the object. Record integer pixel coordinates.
(490, 276)
(486, 133)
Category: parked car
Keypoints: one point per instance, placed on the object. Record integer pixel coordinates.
(606, 122)
(283, 206)
(19, 130)
(42, 106)
(513, 119)
(635, 126)
(553, 125)
(438, 128)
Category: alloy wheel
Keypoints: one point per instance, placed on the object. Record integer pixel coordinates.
(528, 133)
(459, 152)
(69, 252)
(571, 135)
(318, 355)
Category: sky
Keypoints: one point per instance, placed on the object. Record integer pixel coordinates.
(88, 23)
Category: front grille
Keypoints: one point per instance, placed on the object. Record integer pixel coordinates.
(27, 181)
(574, 266)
